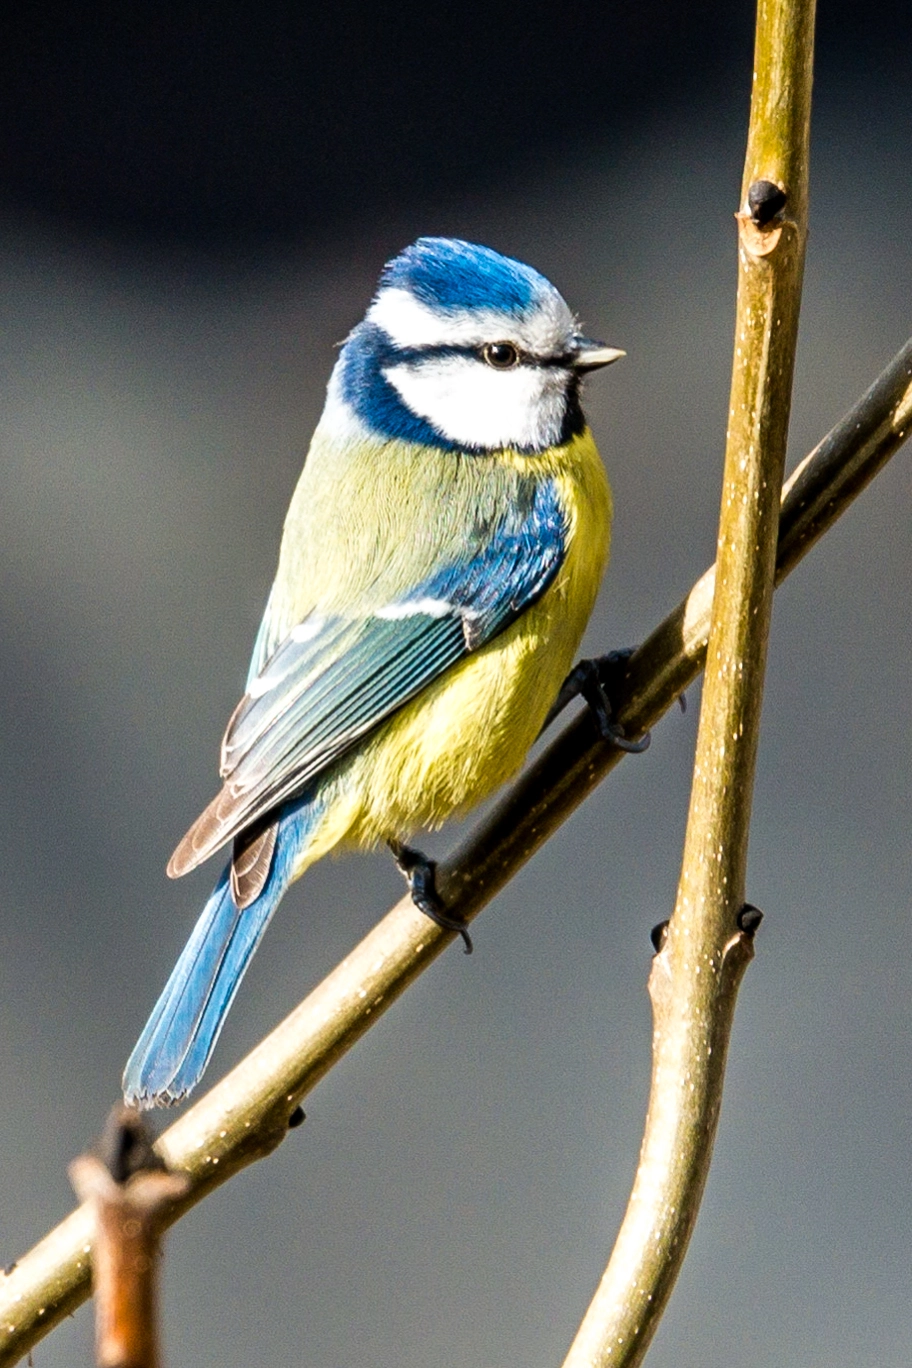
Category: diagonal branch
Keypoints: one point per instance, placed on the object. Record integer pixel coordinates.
(709, 942)
(245, 1116)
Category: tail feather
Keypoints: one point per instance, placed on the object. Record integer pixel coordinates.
(179, 1037)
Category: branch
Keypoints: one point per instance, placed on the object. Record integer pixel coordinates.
(129, 1190)
(245, 1116)
(709, 941)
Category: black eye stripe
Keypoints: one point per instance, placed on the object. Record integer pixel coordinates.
(412, 355)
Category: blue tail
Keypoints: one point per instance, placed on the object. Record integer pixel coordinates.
(174, 1048)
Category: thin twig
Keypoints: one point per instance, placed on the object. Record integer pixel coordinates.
(709, 942)
(129, 1191)
(245, 1116)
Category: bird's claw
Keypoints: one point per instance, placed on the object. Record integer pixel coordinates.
(420, 874)
(591, 680)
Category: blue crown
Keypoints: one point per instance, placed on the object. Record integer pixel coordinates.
(448, 274)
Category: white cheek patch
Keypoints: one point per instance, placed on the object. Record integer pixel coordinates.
(542, 330)
(475, 405)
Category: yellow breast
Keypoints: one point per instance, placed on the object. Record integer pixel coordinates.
(470, 730)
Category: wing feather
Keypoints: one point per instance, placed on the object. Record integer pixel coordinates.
(333, 680)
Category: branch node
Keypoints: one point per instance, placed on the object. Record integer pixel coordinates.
(658, 935)
(749, 919)
(765, 200)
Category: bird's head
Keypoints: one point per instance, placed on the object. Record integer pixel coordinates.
(466, 349)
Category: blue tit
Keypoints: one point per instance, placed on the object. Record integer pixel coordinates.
(440, 559)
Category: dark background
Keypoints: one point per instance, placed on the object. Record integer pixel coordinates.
(194, 206)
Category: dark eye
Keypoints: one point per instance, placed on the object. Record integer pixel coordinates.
(500, 355)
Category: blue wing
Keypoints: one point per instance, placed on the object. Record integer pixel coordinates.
(335, 678)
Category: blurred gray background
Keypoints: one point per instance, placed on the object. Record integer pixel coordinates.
(194, 212)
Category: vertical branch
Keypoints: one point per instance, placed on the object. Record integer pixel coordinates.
(130, 1193)
(695, 975)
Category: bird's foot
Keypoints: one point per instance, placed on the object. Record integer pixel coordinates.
(420, 874)
(592, 680)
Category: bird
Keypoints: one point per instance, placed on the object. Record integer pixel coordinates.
(439, 561)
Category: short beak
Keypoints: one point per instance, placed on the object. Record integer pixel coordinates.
(591, 355)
